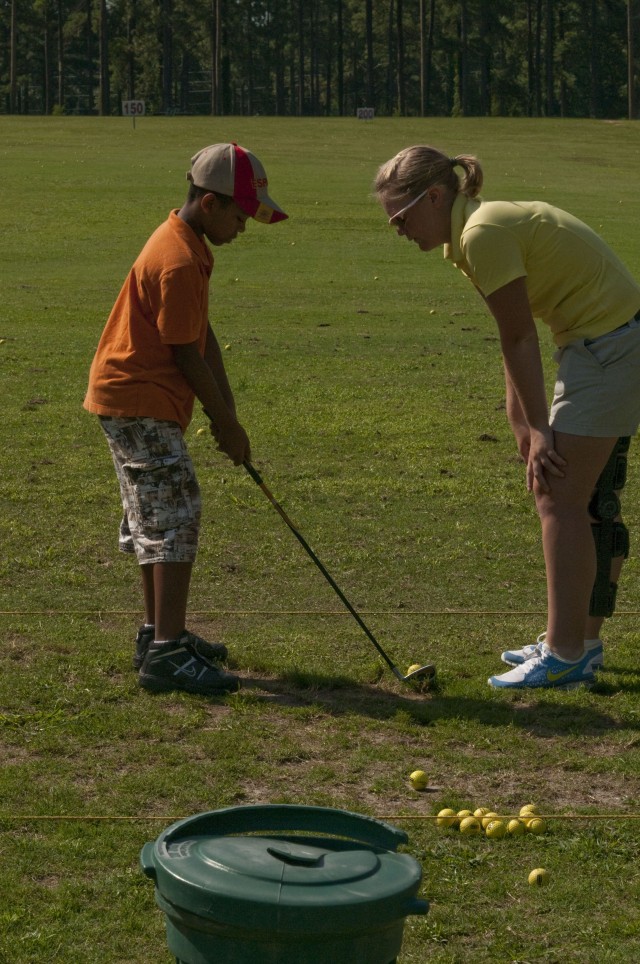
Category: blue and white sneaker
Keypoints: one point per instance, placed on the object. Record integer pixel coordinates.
(515, 657)
(546, 670)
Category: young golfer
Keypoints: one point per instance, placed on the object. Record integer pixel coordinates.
(531, 260)
(157, 354)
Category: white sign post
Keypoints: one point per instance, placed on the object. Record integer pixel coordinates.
(133, 109)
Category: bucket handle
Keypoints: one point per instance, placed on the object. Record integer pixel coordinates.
(146, 861)
(262, 818)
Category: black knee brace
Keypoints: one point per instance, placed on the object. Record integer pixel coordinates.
(611, 538)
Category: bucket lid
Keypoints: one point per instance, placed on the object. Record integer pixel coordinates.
(276, 867)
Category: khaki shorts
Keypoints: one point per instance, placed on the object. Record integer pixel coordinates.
(158, 487)
(597, 391)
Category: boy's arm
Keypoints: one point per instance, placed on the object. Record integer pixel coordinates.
(213, 358)
(229, 434)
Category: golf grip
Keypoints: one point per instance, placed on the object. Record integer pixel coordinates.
(257, 478)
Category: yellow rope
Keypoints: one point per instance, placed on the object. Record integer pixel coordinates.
(296, 612)
(32, 818)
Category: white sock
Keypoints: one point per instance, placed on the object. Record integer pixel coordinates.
(592, 642)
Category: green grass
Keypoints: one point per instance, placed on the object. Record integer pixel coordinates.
(369, 379)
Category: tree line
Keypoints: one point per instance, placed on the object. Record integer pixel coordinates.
(532, 58)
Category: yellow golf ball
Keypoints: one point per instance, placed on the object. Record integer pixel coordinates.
(464, 813)
(419, 780)
(529, 810)
(539, 877)
(536, 825)
(481, 812)
(469, 825)
(413, 668)
(496, 829)
(516, 827)
(488, 817)
(447, 818)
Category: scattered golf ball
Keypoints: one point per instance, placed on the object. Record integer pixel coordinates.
(516, 827)
(496, 829)
(419, 780)
(529, 810)
(481, 812)
(539, 877)
(447, 818)
(469, 825)
(464, 813)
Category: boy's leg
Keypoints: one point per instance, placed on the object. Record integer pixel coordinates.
(170, 592)
(149, 594)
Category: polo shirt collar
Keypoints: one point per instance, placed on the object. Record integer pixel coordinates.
(188, 235)
(463, 208)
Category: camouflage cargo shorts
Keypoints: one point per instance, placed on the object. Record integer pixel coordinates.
(159, 490)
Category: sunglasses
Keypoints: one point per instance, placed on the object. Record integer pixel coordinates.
(397, 220)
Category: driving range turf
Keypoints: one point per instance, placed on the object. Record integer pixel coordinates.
(369, 378)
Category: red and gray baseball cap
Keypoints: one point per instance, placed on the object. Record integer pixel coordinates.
(233, 170)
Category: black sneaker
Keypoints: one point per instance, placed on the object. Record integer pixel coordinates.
(211, 651)
(177, 665)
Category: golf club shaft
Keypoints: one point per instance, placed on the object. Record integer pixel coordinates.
(257, 478)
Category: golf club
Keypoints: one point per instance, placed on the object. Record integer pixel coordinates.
(426, 672)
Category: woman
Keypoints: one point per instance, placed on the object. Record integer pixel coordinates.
(529, 259)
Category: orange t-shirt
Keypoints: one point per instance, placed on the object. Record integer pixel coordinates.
(163, 302)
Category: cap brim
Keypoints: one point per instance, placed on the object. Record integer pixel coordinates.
(262, 209)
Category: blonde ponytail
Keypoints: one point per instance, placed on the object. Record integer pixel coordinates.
(415, 169)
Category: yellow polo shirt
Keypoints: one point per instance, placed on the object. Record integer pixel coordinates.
(576, 284)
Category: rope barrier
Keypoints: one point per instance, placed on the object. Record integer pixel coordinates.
(297, 612)
(74, 818)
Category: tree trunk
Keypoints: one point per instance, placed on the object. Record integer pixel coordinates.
(60, 98)
(90, 79)
(105, 93)
(13, 66)
(340, 60)
(167, 56)
(390, 62)
(594, 92)
(214, 47)
(301, 67)
(369, 45)
(463, 60)
(400, 78)
(549, 51)
(631, 71)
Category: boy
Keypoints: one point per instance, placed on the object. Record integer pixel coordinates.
(157, 354)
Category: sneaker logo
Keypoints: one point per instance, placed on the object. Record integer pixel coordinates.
(189, 669)
(553, 677)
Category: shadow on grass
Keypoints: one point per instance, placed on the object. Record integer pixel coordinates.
(537, 714)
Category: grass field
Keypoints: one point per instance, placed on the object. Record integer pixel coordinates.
(369, 378)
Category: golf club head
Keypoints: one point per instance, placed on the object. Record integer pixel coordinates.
(423, 674)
